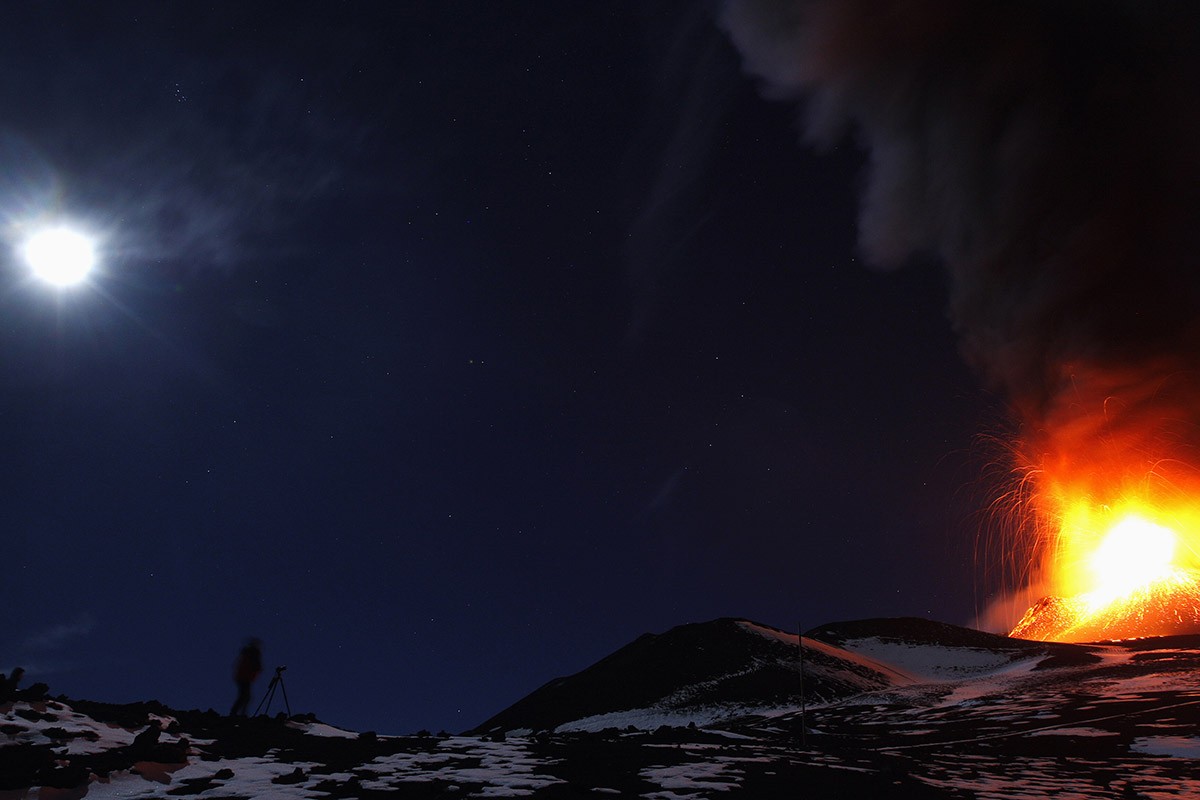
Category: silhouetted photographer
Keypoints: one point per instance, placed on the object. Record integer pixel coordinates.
(245, 670)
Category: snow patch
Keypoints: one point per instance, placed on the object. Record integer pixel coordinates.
(506, 769)
(654, 717)
(1173, 746)
(1073, 732)
(842, 653)
(321, 729)
(937, 662)
(695, 776)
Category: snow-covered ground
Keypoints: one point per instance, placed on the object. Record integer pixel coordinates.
(965, 720)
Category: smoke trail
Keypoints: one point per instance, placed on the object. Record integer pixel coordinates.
(1048, 151)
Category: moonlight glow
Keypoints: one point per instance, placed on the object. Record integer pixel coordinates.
(60, 256)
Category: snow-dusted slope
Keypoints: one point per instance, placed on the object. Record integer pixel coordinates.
(920, 710)
(62, 749)
(699, 673)
(707, 673)
(931, 651)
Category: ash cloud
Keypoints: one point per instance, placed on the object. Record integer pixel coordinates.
(1047, 153)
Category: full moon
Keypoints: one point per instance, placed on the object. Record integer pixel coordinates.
(59, 256)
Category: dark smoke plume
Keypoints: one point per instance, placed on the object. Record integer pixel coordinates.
(1048, 151)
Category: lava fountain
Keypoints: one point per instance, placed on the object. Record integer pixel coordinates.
(1117, 567)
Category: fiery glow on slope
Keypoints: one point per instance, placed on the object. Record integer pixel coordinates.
(1119, 571)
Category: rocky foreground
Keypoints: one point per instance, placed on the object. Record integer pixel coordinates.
(893, 708)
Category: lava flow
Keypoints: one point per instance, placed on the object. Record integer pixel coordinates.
(1119, 572)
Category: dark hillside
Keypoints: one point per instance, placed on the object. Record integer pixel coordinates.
(725, 661)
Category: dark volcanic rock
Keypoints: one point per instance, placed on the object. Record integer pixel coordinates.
(19, 764)
(725, 661)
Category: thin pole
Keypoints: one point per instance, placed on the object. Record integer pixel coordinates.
(803, 709)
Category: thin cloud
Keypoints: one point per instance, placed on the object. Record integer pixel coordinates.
(58, 636)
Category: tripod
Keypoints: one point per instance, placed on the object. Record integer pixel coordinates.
(276, 683)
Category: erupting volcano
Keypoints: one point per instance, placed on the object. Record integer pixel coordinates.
(1045, 154)
(1111, 493)
(1113, 500)
(1118, 574)
(1117, 550)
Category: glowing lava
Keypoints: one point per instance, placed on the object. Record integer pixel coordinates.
(1119, 573)
(1134, 554)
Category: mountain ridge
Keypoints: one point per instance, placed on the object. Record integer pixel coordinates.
(896, 709)
(732, 667)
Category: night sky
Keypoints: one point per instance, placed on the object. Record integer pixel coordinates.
(448, 347)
